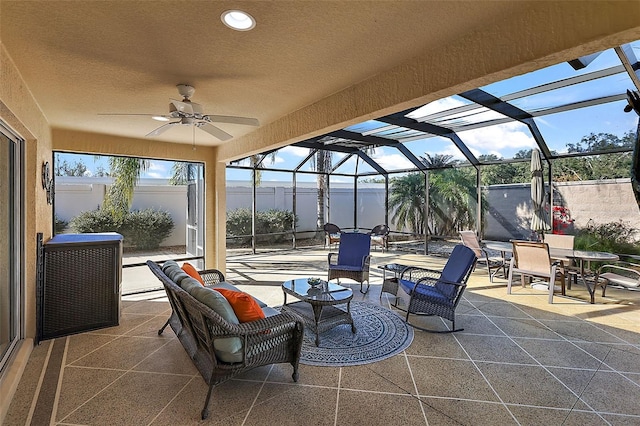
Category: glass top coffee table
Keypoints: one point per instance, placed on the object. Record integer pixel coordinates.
(318, 304)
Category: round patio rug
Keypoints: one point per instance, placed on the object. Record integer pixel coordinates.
(380, 334)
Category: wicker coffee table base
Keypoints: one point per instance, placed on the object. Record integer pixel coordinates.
(322, 318)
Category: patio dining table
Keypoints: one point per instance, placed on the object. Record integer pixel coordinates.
(580, 256)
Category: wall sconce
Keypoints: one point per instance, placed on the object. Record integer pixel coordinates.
(47, 182)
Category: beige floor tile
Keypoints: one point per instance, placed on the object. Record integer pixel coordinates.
(450, 379)
(455, 412)
(390, 375)
(81, 384)
(133, 399)
(81, 344)
(503, 309)
(477, 324)
(624, 358)
(122, 353)
(580, 330)
(527, 385)
(230, 403)
(127, 323)
(150, 328)
(436, 345)
(618, 420)
(536, 416)
(280, 404)
(524, 327)
(18, 411)
(170, 359)
(558, 353)
(308, 375)
(493, 348)
(612, 393)
(366, 409)
(147, 307)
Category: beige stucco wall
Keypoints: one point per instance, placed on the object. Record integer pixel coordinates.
(93, 143)
(20, 111)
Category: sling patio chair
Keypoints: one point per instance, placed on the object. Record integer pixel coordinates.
(332, 234)
(532, 259)
(564, 242)
(352, 260)
(379, 236)
(470, 239)
(438, 293)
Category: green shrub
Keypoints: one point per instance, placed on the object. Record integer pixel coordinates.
(613, 237)
(94, 221)
(143, 229)
(146, 229)
(267, 222)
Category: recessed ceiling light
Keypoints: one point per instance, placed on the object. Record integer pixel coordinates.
(238, 20)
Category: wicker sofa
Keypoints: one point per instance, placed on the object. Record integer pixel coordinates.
(221, 348)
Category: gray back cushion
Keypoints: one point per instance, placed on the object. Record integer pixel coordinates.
(227, 349)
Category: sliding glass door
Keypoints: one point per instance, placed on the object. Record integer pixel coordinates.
(10, 225)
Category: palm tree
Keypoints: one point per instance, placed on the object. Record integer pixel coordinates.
(407, 201)
(126, 173)
(321, 163)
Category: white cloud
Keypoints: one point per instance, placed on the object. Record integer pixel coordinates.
(496, 138)
(296, 151)
(393, 161)
(436, 106)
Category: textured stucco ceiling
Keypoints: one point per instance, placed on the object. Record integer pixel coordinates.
(81, 59)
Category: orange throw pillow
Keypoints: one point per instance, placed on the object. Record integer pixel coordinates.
(244, 306)
(192, 272)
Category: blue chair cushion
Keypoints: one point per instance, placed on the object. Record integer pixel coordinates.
(456, 269)
(353, 248)
(346, 267)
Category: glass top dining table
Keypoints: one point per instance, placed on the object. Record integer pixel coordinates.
(580, 256)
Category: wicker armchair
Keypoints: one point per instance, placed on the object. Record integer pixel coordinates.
(271, 340)
(438, 292)
(332, 234)
(352, 260)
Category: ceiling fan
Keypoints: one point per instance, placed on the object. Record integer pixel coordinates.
(189, 113)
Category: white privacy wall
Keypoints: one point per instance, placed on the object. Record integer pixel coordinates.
(509, 206)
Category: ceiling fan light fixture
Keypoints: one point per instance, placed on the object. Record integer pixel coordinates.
(238, 20)
(160, 118)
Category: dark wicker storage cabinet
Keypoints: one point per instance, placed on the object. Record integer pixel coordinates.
(80, 284)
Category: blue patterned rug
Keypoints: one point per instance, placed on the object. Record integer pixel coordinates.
(380, 334)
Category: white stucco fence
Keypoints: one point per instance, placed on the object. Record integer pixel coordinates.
(508, 216)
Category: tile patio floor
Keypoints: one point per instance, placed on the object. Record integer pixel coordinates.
(519, 360)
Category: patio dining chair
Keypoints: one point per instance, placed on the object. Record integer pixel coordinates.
(532, 259)
(470, 239)
(332, 234)
(564, 242)
(379, 236)
(620, 274)
(352, 260)
(438, 293)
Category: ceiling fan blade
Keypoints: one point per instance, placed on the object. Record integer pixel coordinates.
(162, 129)
(232, 119)
(147, 115)
(183, 107)
(215, 131)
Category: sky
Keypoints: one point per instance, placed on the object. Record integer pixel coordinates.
(502, 140)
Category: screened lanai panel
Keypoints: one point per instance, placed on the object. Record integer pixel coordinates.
(390, 159)
(503, 141)
(438, 149)
(550, 75)
(370, 208)
(283, 158)
(452, 200)
(340, 202)
(313, 164)
(347, 167)
(616, 84)
(366, 127)
(440, 107)
(570, 131)
(274, 208)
